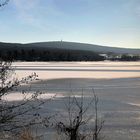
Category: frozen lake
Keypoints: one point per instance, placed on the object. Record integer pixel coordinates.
(117, 84)
(57, 70)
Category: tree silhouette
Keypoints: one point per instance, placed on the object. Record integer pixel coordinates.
(78, 118)
(3, 3)
(13, 115)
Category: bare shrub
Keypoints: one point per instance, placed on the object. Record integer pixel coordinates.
(75, 128)
(15, 115)
(98, 124)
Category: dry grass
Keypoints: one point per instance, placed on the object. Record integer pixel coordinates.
(26, 134)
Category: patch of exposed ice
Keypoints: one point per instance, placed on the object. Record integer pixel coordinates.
(20, 96)
(134, 104)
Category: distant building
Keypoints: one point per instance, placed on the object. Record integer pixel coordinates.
(104, 55)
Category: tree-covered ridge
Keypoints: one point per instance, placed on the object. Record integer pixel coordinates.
(30, 53)
(64, 51)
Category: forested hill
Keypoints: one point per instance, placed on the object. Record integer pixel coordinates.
(87, 47)
(29, 52)
(58, 51)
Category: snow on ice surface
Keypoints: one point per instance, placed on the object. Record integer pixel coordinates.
(19, 97)
(117, 84)
(57, 70)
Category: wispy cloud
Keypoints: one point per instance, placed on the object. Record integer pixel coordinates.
(26, 8)
(35, 13)
(136, 6)
(138, 10)
(133, 7)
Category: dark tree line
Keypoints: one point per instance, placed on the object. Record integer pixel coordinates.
(49, 55)
(130, 58)
(126, 57)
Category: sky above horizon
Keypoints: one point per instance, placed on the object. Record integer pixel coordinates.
(113, 23)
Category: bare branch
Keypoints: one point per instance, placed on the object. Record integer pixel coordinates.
(4, 3)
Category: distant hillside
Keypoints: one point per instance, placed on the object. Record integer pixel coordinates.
(87, 47)
(30, 52)
(64, 51)
(69, 46)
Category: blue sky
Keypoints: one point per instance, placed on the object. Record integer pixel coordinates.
(104, 22)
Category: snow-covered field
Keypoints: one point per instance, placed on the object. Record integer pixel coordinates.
(117, 84)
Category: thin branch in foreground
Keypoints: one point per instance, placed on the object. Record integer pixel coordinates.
(4, 3)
